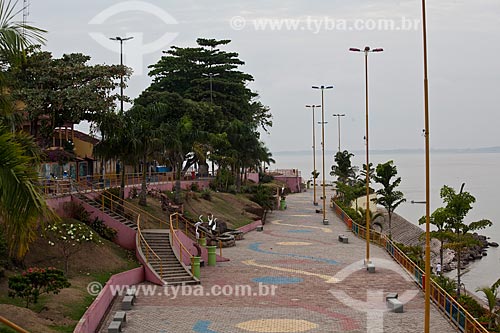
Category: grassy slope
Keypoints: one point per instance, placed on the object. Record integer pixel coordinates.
(60, 313)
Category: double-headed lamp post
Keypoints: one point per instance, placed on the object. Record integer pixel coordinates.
(367, 50)
(121, 40)
(338, 115)
(314, 149)
(325, 220)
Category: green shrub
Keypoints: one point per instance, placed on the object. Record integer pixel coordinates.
(194, 187)
(37, 281)
(265, 178)
(231, 189)
(448, 285)
(103, 230)
(4, 251)
(206, 194)
(472, 306)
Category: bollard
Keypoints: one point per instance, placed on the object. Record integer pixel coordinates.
(282, 204)
(195, 266)
(202, 241)
(211, 255)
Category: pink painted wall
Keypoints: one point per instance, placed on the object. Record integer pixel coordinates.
(149, 273)
(92, 317)
(250, 227)
(292, 182)
(125, 236)
(254, 176)
(57, 204)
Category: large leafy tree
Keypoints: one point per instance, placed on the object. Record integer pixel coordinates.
(62, 91)
(231, 116)
(21, 203)
(388, 196)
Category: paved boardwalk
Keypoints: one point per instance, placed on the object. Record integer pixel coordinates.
(319, 285)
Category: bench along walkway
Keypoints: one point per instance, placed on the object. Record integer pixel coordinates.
(320, 285)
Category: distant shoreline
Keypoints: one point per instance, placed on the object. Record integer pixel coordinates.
(485, 150)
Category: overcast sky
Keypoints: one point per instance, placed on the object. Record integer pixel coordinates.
(464, 69)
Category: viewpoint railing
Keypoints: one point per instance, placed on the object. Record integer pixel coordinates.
(61, 186)
(449, 306)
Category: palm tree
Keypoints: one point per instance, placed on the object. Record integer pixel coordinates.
(344, 170)
(21, 203)
(491, 294)
(117, 142)
(373, 216)
(388, 196)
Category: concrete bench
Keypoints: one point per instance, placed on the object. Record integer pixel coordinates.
(128, 302)
(391, 295)
(131, 292)
(120, 316)
(370, 268)
(395, 305)
(343, 239)
(115, 327)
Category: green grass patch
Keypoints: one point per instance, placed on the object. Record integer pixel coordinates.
(6, 329)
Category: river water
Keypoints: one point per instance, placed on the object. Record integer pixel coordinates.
(477, 170)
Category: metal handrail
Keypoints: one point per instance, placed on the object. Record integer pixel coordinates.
(10, 324)
(444, 301)
(136, 209)
(176, 238)
(148, 248)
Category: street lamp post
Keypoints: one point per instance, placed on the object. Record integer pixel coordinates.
(211, 75)
(325, 220)
(367, 50)
(338, 115)
(314, 150)
(427, 181)
(121, 40)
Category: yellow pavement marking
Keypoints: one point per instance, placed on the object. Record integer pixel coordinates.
(293, 243)
(327, 278)
(277, 325)
(278, 222)
(308, 215)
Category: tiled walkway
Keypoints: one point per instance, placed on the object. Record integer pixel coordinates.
(301, 279)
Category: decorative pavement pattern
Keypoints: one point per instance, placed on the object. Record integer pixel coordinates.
(320, 285)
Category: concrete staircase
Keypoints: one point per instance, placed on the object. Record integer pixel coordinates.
(112, 214)
(171, 271)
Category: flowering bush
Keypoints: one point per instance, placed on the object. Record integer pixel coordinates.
(69, 237)
(37, 281)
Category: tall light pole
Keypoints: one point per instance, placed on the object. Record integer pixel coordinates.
(325, 220)
(427, 182)
(211, 75)
(367, 50)
(121, 40)
(338, 115)
(314, 150)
